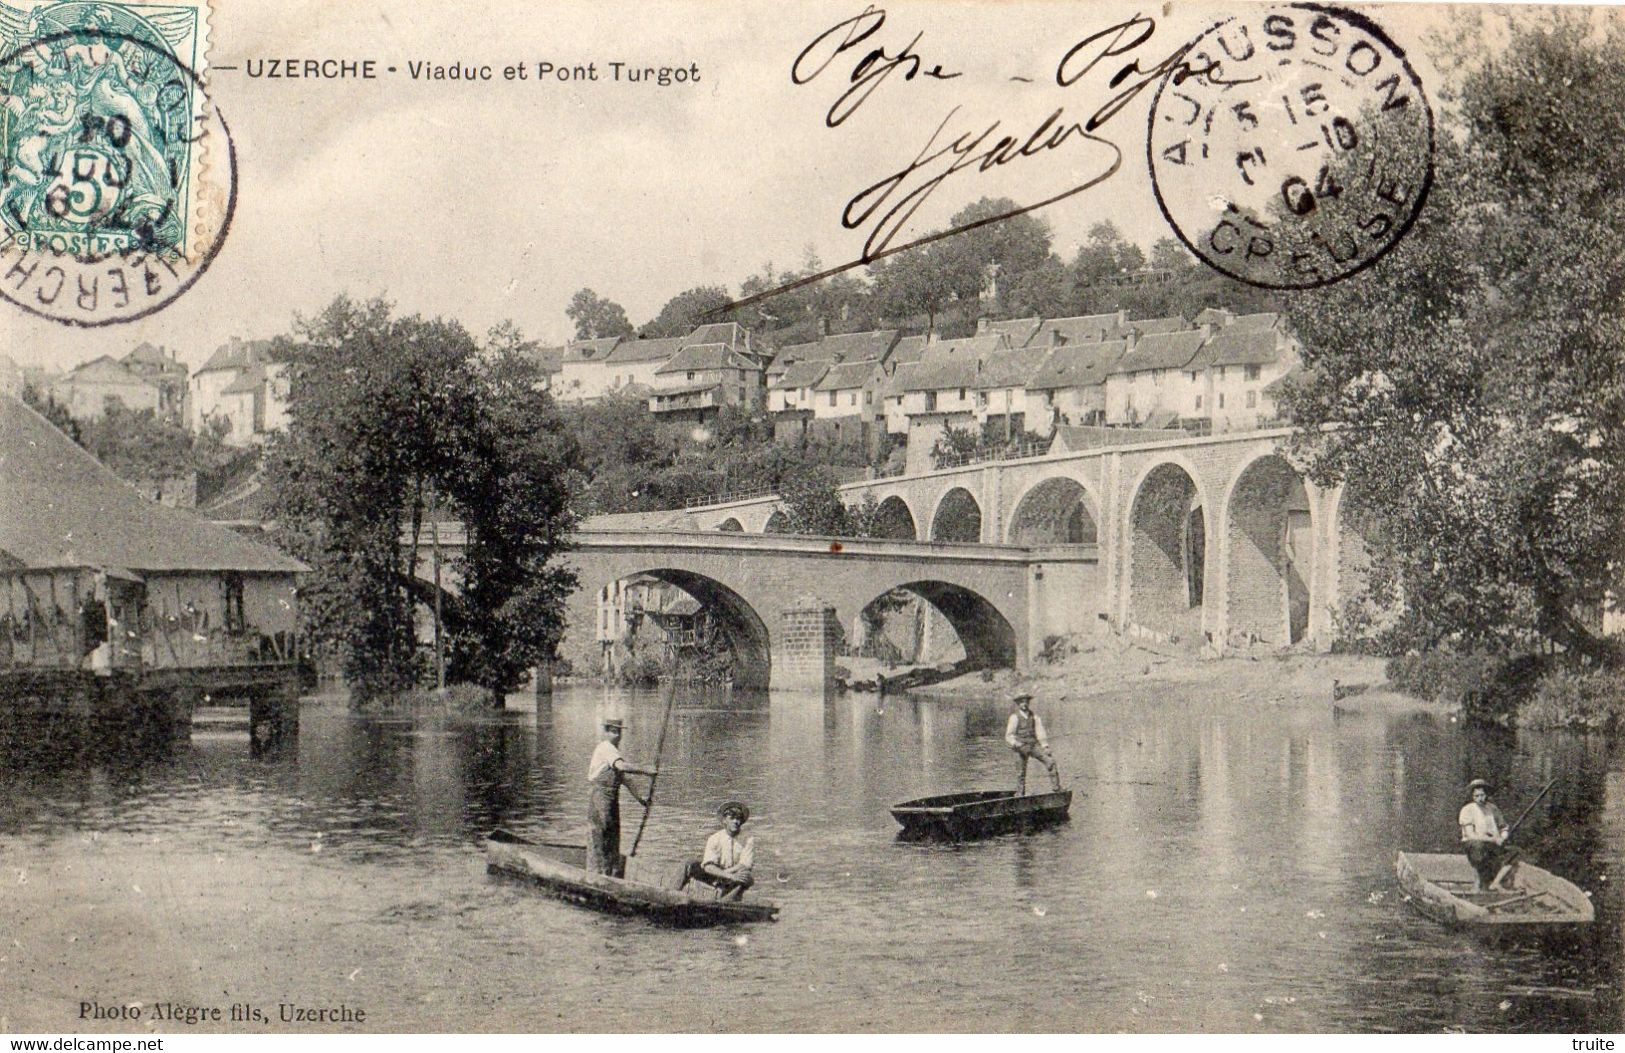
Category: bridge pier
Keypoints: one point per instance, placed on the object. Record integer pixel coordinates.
(809, 638)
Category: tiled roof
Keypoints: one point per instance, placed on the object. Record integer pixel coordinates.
(898, 384)
(1262, 320)
(706, 356)
(596, 350)
(1236, 346)
(908, 349)
(728, 333)
(656, 350)
(1077, 329)
(1148, 326)
(979, 348)
(801, 375)
(235, 354)
(943, 373)
(1018, 330)
(64, 509)
(1077, 366)
(1012, 369)
(846, 375)
(857, 347)
(550, 359)
(106, 369)
(148, 355)
(1161, 351)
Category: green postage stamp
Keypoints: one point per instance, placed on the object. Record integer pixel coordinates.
(116, 175)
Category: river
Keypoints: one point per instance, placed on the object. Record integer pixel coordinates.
(1228, 866)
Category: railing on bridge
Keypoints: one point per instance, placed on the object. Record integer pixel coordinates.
(1018, 452)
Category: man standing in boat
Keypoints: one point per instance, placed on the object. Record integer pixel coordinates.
(605, 775)
(1483, 838)
(1025, 734)
(728, 858)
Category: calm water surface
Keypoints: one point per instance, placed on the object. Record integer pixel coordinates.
(1227, 867)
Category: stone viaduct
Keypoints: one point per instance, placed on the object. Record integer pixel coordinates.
(1218, 538)
(1213, 542)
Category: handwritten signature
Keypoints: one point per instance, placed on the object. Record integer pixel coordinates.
(885, 206)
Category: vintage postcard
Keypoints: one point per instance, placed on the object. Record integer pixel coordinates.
(819, 517)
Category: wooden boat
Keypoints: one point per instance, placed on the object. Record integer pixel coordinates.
(981, 813)
(1440, 886)
(560, 870)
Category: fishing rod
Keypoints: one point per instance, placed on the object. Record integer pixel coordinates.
(660, 746)
(1516, 823)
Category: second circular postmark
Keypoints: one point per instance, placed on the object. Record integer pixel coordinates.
(1294, 149)
(117, 174)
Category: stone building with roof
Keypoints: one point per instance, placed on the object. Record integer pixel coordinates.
(696, 382)
(87, 389)
(159, 367)
(243, 384)
(1069, 386)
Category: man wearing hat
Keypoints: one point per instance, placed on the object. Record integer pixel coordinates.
(728, 857)
(605, 776)
(1025, 734)
(1483, 838)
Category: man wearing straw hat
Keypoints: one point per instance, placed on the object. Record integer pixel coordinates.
(605, 775)
(728, 858)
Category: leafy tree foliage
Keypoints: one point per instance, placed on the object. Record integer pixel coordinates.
(1478, 370)
(688, 309)
(595, 317)
(139, 446)
(393, 420)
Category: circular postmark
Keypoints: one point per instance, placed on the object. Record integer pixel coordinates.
(118, 177)
(1294, 148)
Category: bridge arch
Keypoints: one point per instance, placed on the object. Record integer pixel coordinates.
(957, 517)
(731, 526)
(895, 519)
(1165, 567)
(987, 637)
(1269, 552)
(1057, 510)
(746, 632)
(777, 523)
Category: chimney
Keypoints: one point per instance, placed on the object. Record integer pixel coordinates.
(1133, 337)
(1207, 331)
(982, 324)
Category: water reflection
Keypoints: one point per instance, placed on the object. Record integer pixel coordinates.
(1226, 867)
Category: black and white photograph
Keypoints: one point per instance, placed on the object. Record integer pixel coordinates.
(709, 517)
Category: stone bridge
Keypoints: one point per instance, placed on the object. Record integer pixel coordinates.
(1217, 538)
(785, 601)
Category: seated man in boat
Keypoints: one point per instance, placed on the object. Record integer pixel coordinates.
(1483, 838)
(605, 774)
(726, 865)
(1025, 734)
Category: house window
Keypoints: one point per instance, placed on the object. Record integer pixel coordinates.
(1198, 402)
(852, 399)
(233, 587)
(1221, 400)
(1253, 372)
(961, 394)
(1221, 372)
(1252, 400)
(832, 398)
(691, 374)
(930, 401)
(868, 398)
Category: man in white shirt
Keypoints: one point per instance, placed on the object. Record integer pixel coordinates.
(728, 858)
(1025, 734)
(605, 777)
(1483, 838)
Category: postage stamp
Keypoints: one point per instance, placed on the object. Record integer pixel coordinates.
(111, 204)
(1298, 151)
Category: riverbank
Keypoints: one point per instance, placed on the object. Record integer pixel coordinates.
(1109, 664)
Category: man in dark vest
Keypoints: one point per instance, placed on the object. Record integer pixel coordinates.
(1025, 734)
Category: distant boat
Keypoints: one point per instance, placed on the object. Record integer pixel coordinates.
(1440, 886)
(560, 870)
(981, 813)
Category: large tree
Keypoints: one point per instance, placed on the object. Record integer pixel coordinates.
(595, 317)
(688, 309)
(391, 421)
(1476, 375)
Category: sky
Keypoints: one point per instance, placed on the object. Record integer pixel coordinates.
(493, 201)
